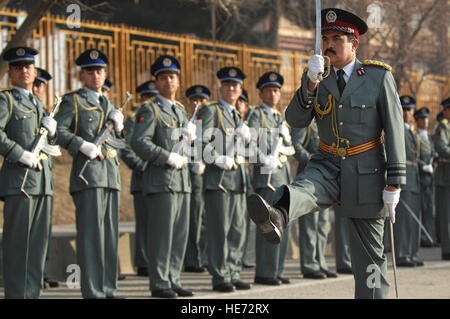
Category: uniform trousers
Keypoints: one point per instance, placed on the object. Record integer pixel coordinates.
(26, 232)
(167, 235)
(97, 223)
(225, 228)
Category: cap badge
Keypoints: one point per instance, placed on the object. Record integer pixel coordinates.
(167, 62)
(232, 72)
(406, 99)
(20, 52)
(331, 16)
(151, 85)
(198, 89)
(273, 77)
(94, 55)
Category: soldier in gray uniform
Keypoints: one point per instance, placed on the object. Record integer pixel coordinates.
(81, 117)
(442, 179)
(313, 228)
(271, 170)
(353, 107)
(426, 175)
(193, 259)
(146, 91)
(27, 212)
(406, 229)
(166, 185)
(225, 182)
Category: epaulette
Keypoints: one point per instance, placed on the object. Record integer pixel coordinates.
(444, 121)
(305, 69)
(209, 103)
(378, 64)
(5, 89)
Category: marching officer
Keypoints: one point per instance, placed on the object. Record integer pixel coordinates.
(28, 201)
(313, 228)
(406, 229)
(96, 193)
(442, 179)
(225, 182)
(353, 106)
(166, 184)
(146, 91)
(425, 174)
(272, 170)
(193, 259)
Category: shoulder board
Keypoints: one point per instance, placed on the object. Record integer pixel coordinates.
(444, 121)
(180, 105)
(378, 64)
(305, 69)
(72, 93)
(131, 115)
(5, 89)
(210, 103)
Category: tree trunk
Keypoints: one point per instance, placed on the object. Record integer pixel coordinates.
(23, 34)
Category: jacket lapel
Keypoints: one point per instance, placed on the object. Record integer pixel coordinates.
(330, 83)
(226, 115)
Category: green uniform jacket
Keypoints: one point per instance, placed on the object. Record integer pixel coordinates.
(306, 143)
(216, 120)
(442, 147)
(368, 107)
(153, 140)
(19, 125)
(134, 162)
(412, 156)
(263, 125)
(81, 118)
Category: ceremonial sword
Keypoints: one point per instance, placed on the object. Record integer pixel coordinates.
(411, 212)
(317, 48)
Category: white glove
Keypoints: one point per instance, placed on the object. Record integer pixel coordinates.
(189, 131)
(90, 150)
(284, 132)
(117, 117)
(391, 200)
(29, 159)
(316, 65)
(244, 131)
(224, 162)
(176, 160)
(50, 124)
(198, 168)
(428, 168)
(272, 163)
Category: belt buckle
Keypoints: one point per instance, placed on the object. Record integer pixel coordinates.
(341, 151)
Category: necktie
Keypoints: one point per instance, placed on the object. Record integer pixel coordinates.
(103, 102)
(340, 81)
(32, 99)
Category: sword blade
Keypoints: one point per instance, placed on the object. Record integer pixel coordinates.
(411, 212)
(394, 265)
(318, 28)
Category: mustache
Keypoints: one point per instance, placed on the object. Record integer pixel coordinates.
(330, 50)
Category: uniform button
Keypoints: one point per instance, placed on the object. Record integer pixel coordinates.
(363, 106)
(341, 123)
(309, 102)
(343, 158)
(376, 169)
(340, 106)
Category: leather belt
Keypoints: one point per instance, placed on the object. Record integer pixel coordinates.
(350, 151)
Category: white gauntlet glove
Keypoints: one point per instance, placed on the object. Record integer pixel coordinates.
(272, 163)
(391, 200)
(176, 160)
(224, 162)
(50, 124)
(428, 168)
(244, 131)
(198, 168)
(284, 132)
(90, 150)
(117, 117)
(189, 131)
(316, 65)
(29, 159)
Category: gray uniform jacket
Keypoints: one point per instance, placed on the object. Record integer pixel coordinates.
(442, 146)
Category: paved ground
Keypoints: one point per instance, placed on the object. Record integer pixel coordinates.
(428, 282)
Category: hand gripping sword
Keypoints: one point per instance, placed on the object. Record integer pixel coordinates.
(317, 49)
